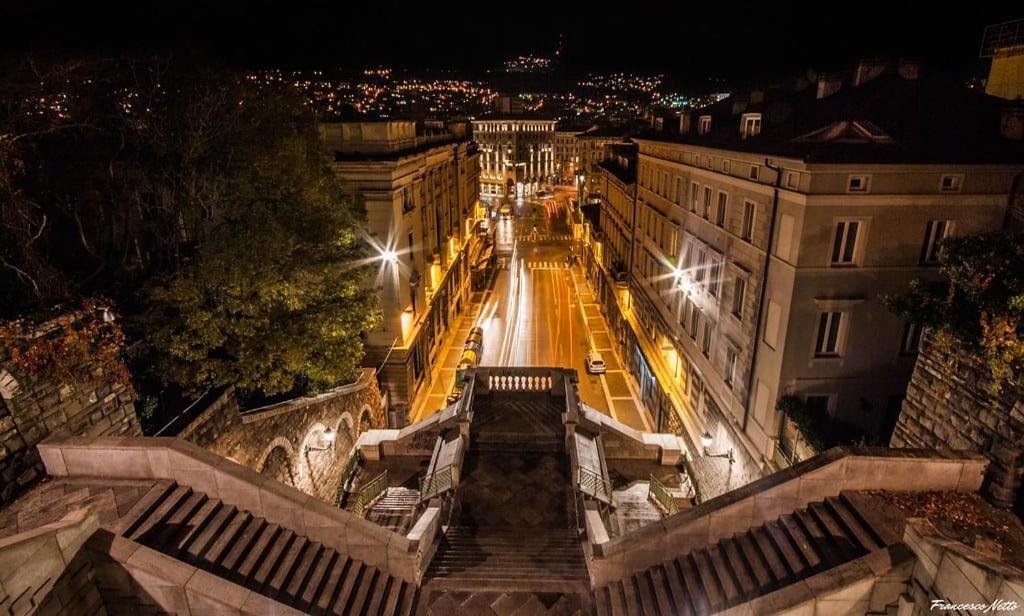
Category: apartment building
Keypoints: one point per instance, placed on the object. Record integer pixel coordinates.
(517, 153)
(765, 238)
(420, 186)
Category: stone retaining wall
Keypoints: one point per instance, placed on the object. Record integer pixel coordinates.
(32, 410)
(952, 406)
(285, 440)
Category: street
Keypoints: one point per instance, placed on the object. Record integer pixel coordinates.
(541, 312)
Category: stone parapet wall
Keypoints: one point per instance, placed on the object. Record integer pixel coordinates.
(237, 486)
(33, 409)
(949, 404)
(284, 440)
(826, 475)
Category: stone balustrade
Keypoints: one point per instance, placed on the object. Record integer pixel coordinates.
(826, 475)
(236, 485)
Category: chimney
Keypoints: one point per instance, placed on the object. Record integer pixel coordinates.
(1011, 124)
(909, 68)
(867, 69)
(756, 97)
(738, 106)
(829, 84)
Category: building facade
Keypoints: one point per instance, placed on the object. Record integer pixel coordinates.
(759, 261)
(420, 187)
(517, 153)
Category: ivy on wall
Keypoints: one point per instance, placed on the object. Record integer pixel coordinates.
(77, 346)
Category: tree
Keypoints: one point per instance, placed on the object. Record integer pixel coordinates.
(979, 303)
(274, 295)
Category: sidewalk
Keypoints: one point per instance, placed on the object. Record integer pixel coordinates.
(715, 475)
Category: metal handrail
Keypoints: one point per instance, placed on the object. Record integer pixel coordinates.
(659, 494)
(594, 484)
(369, 493)
(436, 483)
(347, 473)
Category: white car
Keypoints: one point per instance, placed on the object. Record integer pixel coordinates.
(595, 363)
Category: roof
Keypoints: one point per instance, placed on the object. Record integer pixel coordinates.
(888, 119)
(511, 117)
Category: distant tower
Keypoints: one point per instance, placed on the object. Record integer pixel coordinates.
(1004, 43)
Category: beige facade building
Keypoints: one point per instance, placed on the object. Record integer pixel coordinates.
(420, 187)
(517, 153)
(763, 241)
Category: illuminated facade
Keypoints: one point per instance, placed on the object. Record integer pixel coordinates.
(420, 189)
(517, 153)
(759, 260)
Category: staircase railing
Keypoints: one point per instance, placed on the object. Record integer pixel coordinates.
(347, 473)
(660, 495)
(369, 493)
(437, 482)
(594, 484)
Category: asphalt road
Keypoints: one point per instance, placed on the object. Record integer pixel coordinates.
(539, 312)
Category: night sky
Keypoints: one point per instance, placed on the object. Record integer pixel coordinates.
(691, 41)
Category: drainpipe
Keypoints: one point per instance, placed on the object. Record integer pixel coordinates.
(763, 291)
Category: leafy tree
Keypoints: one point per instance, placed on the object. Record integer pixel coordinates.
(978, 305)
(201, 206)
(274, 294)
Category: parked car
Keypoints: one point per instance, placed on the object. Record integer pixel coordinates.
(595, 363)
(505, 211)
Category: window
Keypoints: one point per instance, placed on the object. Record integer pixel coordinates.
(784, 241)
(772, 323)
(704, 124)
(951, 183)
(827, 344)
(698, 275)
(755, 172)
(694, 322)
(858, 183)
(694, 188)
(680, 193)
(714, 278)
(911, 339)
(934, 233)
(750, 124)
(792, 181)
(730, 366)
(723, 200)
(739, 291)
(747, 229)
(707, 203)
(818, 404)
(725, 166)
(705, 342)
(844, 248)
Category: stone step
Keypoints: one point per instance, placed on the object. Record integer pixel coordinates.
(736, 569)
(263, 557)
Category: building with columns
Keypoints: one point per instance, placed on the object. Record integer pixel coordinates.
(420, 186)
(762, 240)
(517, 153)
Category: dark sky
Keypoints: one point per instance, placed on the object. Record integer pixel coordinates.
(689, 40)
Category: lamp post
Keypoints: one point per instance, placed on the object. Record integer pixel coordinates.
(326, 440)
(706, 440)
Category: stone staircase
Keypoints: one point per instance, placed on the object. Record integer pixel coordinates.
(745, 566)
(509, 559)
(395, 509)
(263, 557)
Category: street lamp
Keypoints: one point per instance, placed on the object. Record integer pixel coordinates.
(706, 440)
(389, 256)
(327, 442)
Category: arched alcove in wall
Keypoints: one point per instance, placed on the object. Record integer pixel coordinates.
(279, 462)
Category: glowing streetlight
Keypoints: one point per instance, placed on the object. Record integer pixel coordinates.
(389, 256)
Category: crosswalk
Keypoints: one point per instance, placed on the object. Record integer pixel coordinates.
(543, 237)
(546, 265)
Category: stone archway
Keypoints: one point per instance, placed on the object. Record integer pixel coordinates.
(278, 461)
(365, 419)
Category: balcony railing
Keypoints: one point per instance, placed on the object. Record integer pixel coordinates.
(369, 493)
(658, 493)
